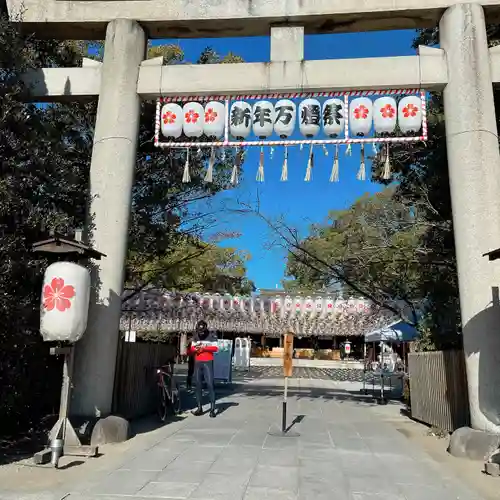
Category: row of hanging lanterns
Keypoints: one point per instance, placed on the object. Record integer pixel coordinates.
(267, 306)
(264, 118)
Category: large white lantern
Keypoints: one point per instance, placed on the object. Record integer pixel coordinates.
(194, 114)
(240, 120)
(285, 118)
(310, 117)
(263, 119)
(410, 114)
(65, 302)
(333, 117)
(214, 119)
(360, 116)
(385, 113)
(171, 120)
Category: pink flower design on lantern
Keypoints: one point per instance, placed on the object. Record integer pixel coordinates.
(210, 115)
(410, 110)
(191, 116)
(387, 111)
(169, 117)
(57, 295)
(361, 112)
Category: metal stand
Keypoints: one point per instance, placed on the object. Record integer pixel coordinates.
(284, 431)
(63, 437)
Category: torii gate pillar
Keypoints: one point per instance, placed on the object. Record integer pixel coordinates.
(111, 179)
(474, 170)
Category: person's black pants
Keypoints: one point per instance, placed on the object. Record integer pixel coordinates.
(204, 370)
(190, 371)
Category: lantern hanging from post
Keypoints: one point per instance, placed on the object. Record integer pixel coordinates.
(171, 120)
(214, 119)
(385, 115)
(193, 114)
(263, 119)
(410, 114)
(240, 120)
(65, 302)
(310, 117)
(285, 118)
(360, 116)
(333, 117)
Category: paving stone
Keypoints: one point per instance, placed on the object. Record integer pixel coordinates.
(217, 486)
(185, 472)
(124, 482)
(168, 490)
(377, 496)
(280, 478)
(369, 484)
(230, 466)
(280, 443)
(202, 453)
(422, 492)
(155, 459)
(310, 490)
(283, 458)
(258, 493)
(350, 444)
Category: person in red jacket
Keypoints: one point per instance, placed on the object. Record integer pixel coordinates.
(203, 347)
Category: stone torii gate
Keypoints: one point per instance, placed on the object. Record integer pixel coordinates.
(463, 68)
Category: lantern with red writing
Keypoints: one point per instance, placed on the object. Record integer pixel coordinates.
(65, 302)
(171, 120)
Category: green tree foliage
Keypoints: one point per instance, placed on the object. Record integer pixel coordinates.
(44, 169)
(45, 156)
(195, 266)
(370, 248)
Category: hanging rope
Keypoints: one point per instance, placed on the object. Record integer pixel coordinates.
(310, 163)
(334, 177)
(236, 169)
(209, 176)
(387, 164)
(185, 176)
(260, 170)
(284, 169)
(348, 151)
(362, 168)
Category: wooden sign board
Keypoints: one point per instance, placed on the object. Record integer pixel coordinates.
(288, 355)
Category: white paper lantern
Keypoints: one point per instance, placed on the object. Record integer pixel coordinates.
(194, 115)
(171, 120)
(214, 119)
(263, 119)
(385, 114)
(309, 305)
(310, 117)
(410, 114)
(240, 120)
(65, 302)
(285, 118)
(333, 117)
(360, 116)
(329, 306)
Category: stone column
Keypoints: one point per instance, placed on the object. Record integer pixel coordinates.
(111, 178)
(474, 168)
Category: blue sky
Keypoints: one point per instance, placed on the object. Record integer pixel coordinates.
(300, 203)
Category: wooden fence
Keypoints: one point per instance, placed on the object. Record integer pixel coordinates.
(438, 389)
(135, 391)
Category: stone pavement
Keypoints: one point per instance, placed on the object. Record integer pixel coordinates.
(346, 450)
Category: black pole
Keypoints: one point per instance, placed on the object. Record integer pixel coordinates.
(283, 421)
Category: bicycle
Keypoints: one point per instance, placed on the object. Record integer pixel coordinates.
(169, 401)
